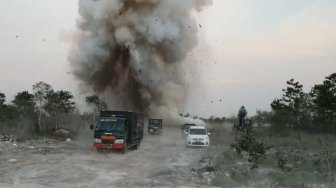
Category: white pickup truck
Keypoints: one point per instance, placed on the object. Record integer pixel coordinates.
(198, 136)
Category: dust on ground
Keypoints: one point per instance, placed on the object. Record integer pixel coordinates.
(162, 161)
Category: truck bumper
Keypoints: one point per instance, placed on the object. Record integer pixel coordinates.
(117, 146)
(201, 144)
(154, 132)
(97, 145)
(108, 146)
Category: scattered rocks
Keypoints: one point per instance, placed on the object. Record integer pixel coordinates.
(9, 138)
(12, 160)
(30, 147)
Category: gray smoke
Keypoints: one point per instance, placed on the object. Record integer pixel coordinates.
(132, 51)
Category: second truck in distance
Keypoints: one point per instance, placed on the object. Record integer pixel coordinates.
(155, 126)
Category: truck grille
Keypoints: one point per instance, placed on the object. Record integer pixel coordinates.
(198, 143)
(107, 141)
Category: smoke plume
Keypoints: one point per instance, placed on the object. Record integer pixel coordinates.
(132, 51)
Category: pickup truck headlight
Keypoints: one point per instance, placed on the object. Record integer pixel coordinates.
(119, 141)
(97, 140)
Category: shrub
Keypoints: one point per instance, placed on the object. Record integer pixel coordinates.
(246, 141)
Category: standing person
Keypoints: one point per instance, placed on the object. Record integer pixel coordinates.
(241, 117)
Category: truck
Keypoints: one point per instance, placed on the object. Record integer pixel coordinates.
(155, 126)
(118, 130)
(198, 136)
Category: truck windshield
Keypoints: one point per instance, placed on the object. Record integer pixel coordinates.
(197, 131)
(155, 123)
(110, 124)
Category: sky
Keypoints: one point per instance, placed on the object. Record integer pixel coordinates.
(247, 50)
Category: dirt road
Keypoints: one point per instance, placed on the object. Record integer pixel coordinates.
(161, 161)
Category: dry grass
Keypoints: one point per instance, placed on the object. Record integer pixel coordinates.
(296, 159)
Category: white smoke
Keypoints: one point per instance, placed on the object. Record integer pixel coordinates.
(132, 50)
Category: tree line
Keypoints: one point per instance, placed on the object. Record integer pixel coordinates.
(295, 109)
(45, 110)
(313, 111)
(40, 111)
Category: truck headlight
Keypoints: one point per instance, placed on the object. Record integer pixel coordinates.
(119, 141)
(97, 140)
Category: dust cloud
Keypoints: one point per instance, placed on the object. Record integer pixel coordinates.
(131, 52)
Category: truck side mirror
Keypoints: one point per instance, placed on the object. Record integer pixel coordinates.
(91, 126)
(209, 134)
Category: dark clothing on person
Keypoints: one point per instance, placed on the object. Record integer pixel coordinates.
(241, 116)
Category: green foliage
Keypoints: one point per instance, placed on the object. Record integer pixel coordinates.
(246, 141)
(213, 120)
(40, 91)
(2, 106)
(282, 161)
(59, 102)
(325, 161)
(290, 109)
(96, 102)
(24, 103)
(34, 112)
(19, 115)
(94, 99)
(296, 159)
(315, 110)
(324, 100)
(7, 112)
(262, 117)
(2, 99)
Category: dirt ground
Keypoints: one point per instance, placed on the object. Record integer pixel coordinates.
(161, 161)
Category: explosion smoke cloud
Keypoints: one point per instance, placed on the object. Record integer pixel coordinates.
(132, 50)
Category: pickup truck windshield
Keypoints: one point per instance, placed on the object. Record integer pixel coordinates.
(154, 125)
(110, 124)
(197, 131)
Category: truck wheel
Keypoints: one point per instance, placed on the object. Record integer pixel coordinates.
(99, 150)
(137, 146)
(124, 151)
